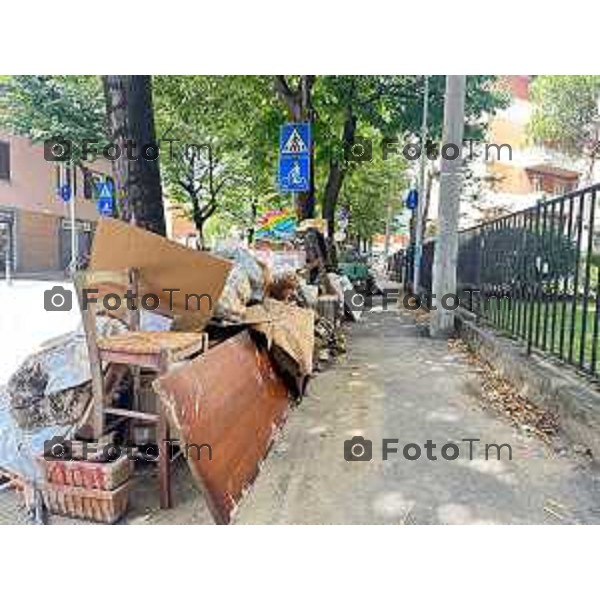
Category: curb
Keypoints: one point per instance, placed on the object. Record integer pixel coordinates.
(545, 382)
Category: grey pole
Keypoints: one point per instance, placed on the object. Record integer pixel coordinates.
(7, 267)
(446, 247)
(73, 264)
(420, 205)
(388, 223)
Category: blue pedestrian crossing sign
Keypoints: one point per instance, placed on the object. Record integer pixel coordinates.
(294, 157)
(105, 201)
(412, 200)
(65, 192)
(295, 138)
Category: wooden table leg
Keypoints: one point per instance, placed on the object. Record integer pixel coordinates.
(164, 449)
(164, 459)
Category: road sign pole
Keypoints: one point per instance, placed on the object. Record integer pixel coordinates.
(388, 224)
(73, 264)
(295, 202)
(420, 216)
(73, 234)
(7, 267)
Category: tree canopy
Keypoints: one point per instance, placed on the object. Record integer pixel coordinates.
(218, 135)
(54, 106)
(566, 113)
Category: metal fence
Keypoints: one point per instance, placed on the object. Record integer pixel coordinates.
(535, 274)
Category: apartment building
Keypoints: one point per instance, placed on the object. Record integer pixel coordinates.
(529, 172)
(35, 228)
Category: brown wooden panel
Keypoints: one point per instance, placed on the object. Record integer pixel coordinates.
(231, 398)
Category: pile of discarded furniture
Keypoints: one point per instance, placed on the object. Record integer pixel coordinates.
(202, 362)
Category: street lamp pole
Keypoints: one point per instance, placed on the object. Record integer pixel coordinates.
(421, 199)
(71, 200)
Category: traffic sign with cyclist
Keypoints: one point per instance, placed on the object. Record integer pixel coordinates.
(294, 157)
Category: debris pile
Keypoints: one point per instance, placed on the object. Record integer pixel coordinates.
(330, 342)
(273, 318)
(52, 386)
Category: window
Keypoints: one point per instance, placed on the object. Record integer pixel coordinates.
(4, 160)
(91, 181)
(537, 183)
(563, 187)
(88, 185)
(67, 176)
(559, 189)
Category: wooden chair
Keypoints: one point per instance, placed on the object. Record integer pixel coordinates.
(156, 351)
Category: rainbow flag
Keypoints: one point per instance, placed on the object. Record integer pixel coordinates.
(277, 224)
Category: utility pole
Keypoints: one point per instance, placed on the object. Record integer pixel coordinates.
(67, 182)
(7, 235)
(388, 226)
(421, 203)
(446, 247)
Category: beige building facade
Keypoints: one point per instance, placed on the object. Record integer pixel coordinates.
(35, 228)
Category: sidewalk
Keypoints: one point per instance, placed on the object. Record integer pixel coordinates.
(397, 383)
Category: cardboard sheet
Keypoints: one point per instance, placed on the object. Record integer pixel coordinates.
(163, 265)
(287, 326)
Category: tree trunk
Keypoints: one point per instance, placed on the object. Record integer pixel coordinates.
(201, 241)
(199, 221)
(252, 228)
(337, 172)
(131, 127)
(332, 191)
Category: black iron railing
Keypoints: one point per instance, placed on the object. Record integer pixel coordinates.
(535, 274)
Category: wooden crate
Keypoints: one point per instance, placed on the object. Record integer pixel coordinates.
(89, 475)
(81, 503)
